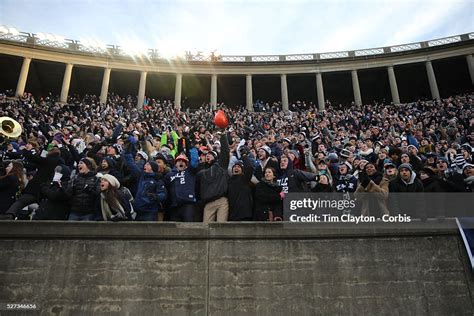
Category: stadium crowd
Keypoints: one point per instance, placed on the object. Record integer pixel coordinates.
(112, 162)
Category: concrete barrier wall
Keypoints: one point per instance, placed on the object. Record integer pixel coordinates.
(234, 269)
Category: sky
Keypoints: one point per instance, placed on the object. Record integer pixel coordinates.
(243, 27)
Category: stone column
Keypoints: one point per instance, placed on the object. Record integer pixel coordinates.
(66, 83)
(432, 80)
(356, 88)
(470, 65)
(320, 90)
(284, 93)
(177, 91)
(25, 67)
(248, 94)
(141, 90)
(214, 92)
(393, 85)
(105, 86)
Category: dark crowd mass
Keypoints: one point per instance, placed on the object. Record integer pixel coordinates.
(85, 161)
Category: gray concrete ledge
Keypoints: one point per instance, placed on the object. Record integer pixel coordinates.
(235, 230)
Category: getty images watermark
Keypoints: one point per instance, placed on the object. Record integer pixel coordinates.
(337, 209)
(379, 207)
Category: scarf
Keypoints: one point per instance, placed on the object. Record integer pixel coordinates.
(107, 211)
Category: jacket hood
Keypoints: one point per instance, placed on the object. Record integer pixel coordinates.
(283, 172)
(412, 178)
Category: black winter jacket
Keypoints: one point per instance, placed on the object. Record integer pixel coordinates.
(54, 204)
(294, 180)
(267, 198)
(83, 192)
(210, 189)
(9, 187)
(400, 203)
(240, 194)
(44, 174)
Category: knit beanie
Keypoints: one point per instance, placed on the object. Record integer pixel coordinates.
(459, 161)
(154, 166)
(238, 163)
(110, 162)
(89, 163)
(112, 180)
(406, 166)
(160, 156)
(143, 155)
(295, 153)
(267, 150)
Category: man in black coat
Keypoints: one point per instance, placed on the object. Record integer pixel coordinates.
(406, 182)
(239, 191)
(213, 184)
(450, 180)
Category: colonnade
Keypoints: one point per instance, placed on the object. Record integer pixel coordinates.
(249, 89)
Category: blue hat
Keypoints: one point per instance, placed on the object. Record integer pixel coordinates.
(388, 162)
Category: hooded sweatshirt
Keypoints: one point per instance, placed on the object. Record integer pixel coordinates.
(293, 180)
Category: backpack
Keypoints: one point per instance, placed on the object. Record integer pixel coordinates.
(213, 183)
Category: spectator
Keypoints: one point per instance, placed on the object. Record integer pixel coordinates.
(345, 182)
(430, 180)
(85, 128)
(450, 180)
(181, 187)
(11, 185)
(406, 182)
(150, 193)
(83, 192)
(322, 184)
(268, 204)
(213, 184)
(293, 180)
(240, 190)
(114, 205)
(31, 193)
(109, 166)
(54, 204)
(373, 190)
(264, 160)
(468, 172)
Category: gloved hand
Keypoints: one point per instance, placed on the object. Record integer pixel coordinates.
(364, 179)
(244, 151)
(152, 196)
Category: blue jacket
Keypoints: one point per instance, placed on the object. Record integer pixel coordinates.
(346, 183)
(181, 185)
(151, 192)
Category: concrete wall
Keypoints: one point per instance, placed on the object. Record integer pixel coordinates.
(234, 269)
